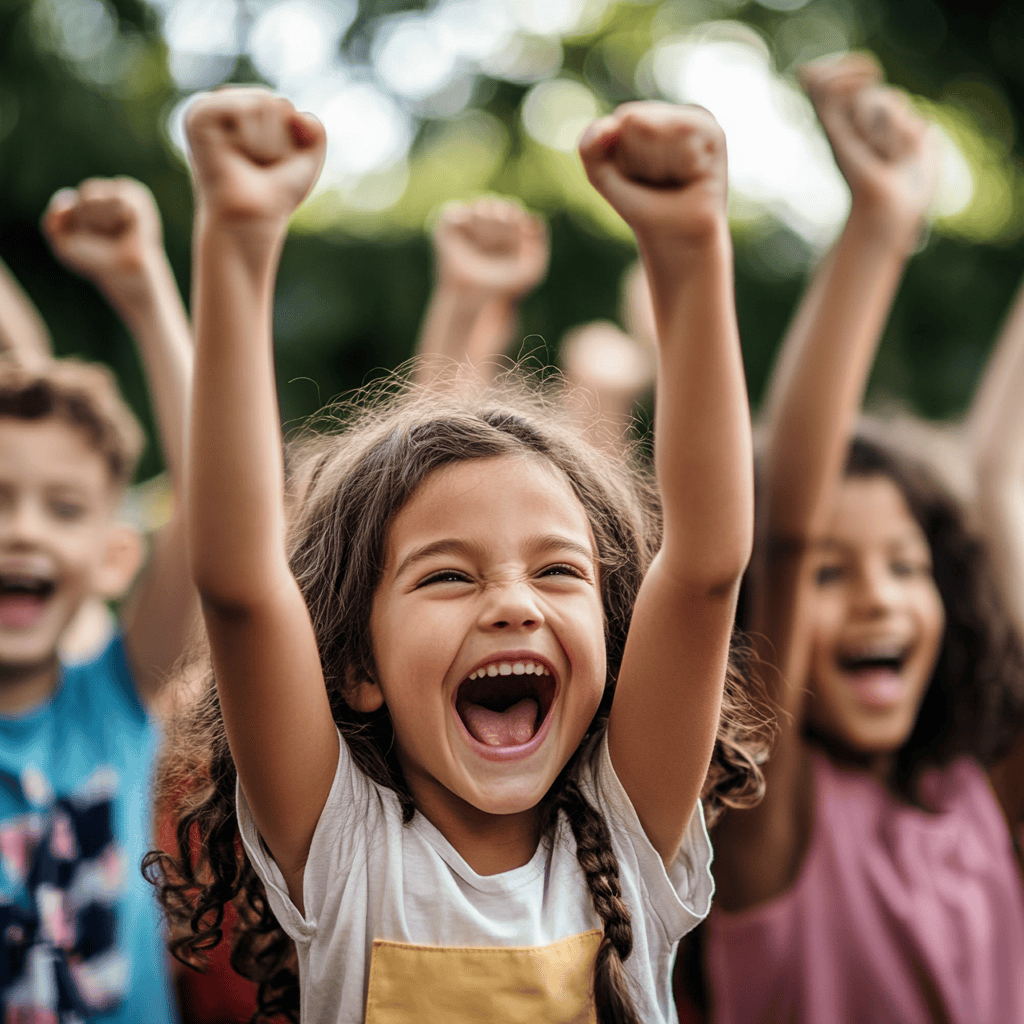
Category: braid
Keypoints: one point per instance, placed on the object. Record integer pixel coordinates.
(594, 852)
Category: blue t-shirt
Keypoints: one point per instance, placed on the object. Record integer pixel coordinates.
(80, 932)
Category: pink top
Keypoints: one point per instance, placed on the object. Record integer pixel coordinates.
(897, 915)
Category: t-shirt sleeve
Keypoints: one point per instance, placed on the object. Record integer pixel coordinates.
(349, 815)
(678, 897)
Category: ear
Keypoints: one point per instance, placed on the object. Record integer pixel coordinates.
(362, 694)
(122, 558)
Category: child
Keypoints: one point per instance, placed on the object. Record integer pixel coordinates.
(80, 935)
(488, 254)
(454, 597)
(878, 880)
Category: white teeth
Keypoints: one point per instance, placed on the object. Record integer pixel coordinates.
(881, 649)
(509, 668)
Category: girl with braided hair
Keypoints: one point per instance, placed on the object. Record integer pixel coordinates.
(467, 673)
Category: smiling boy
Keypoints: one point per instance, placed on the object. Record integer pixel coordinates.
(79, 932)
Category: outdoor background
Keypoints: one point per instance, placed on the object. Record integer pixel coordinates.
(429, 102)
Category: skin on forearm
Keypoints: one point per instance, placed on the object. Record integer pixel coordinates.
(702, 418)
(236, 451)
(153, 312)
(822, 372)
(996, 434)
(23, 333)
(451, 318)
(162, 607)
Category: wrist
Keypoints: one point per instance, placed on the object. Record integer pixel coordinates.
(136, 286)
(680, 254)
(887, 224)
(465, 294)
(253, 242)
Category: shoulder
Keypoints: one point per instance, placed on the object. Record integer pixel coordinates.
(678, 897)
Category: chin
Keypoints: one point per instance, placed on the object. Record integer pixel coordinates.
(21, 657)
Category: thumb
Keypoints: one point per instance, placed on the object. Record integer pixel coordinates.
(597, 143)
(59, 212)
(306, 130)
(597, 149)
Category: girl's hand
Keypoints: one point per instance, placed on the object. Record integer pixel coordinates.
(254, 157)
(493, 245)
(885, 151)
(663, 168)
(107, 230)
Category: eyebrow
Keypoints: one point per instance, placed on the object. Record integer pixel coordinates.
(909, 540)
(453, 546)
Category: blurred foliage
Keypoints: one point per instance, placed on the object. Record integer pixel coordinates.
(350, 298)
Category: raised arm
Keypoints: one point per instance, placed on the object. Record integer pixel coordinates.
(663, 168)
(995, 429)
(887, 157)
(23, 334)
(254, 159)
(488, 254)
(108, 230)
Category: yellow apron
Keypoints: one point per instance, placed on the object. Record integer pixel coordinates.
(483, 985)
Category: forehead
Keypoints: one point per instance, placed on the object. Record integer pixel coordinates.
(51, 452)
(488, 500)
(872, 511)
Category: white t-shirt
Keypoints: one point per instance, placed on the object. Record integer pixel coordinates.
(399, 928)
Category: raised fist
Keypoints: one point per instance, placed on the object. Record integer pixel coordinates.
(662, 167)
(106, 230)
(492, 244)
(885, 151)
(254, 157)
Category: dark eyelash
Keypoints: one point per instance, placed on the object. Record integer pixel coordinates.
(445, 576)
(568, 570)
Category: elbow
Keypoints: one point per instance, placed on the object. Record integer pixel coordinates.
(714, 572)
(228, 595)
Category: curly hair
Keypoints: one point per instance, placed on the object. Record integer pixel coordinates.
(344, 491)
(83, 395)
(974, 701)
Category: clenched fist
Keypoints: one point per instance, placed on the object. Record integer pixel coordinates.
(107, 230)
(662, 167)
(492, 244)
(886, 152)
(254, 156)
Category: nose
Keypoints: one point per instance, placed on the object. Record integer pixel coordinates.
(877, 590)
(511, 606)
(21, 523)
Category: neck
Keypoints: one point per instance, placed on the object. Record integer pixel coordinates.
(24, 686)
(489, 843)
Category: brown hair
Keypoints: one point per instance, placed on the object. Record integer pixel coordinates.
(347, 488)
(84, 396)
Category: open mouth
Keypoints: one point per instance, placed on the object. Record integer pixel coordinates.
(22, 598)
(883, 659)
(875, 672)
(504, 703)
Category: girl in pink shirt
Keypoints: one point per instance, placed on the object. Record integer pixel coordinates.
(879, 880)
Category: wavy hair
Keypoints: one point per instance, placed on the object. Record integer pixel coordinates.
(345, 489)
(82, 395)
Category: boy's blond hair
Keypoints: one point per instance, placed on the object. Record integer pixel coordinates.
(83, 395)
